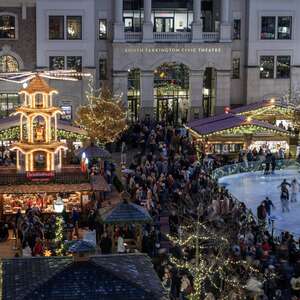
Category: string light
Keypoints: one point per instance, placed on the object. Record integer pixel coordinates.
(59, 235)
(104, 117)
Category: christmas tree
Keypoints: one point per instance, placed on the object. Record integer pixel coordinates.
(103, 117)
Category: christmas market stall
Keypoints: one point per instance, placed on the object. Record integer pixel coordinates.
(275, 112)
(228, 134)
(40, 179)
(126, 219)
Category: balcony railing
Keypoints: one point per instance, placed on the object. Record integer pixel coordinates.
(133, 37)
(172, 37)
(210, 36)
(176, 37)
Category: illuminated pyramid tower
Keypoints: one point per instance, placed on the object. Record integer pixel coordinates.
(38, 148)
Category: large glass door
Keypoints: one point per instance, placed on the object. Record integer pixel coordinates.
(164, 24)
(167, 110)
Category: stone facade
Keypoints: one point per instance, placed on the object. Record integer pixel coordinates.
(24, 46)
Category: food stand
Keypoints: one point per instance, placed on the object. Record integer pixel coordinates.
(229, 133)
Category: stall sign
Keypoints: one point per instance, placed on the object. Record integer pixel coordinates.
(44, 176)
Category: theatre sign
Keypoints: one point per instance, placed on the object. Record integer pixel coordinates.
(173, 50)
(150, 56)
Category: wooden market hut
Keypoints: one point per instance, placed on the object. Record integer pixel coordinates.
(269, 111)
(229, 133)
(126, 214)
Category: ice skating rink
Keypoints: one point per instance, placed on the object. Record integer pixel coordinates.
(252, 188)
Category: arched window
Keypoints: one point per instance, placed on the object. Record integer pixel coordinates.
(8, 64)
(7, 26)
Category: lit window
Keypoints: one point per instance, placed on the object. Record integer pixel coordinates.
(8, 64)
(57, 62)
(236, 68)
(56, 27)
(74, 27)
(102, 69)
(283, 67)
(268, 25)
(267, 67)
(237, 29)
(284, 29)
(74, 63)
(8, 103)
(102, 29)
(67, 109)
(7, 27)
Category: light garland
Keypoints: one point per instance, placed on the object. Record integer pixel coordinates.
(218, 270)
(59, 235)
(104, 117)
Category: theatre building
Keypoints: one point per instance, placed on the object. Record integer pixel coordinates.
(171, 60)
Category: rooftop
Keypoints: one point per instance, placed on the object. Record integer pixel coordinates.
(106, 277)
(37, 84)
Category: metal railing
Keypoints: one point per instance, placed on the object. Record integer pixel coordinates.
(252, 166)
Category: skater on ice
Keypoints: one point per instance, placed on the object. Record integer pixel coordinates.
(269, 206)
(294, 190)
(284, 196)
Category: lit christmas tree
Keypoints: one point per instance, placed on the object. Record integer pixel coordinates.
(104, 116)
(213, 270)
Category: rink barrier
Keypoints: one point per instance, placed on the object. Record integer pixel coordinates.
(253, 166)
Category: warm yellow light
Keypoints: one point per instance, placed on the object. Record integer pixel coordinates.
(272, 100)
(249, 119)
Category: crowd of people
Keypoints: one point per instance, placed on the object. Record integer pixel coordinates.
(168, 178)
(171, 180)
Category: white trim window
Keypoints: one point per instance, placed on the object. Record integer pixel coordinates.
(276, 28)
(275, 67)
(8, 26)
(62, 27)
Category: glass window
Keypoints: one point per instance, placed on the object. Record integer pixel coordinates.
(74, 63)
(102, 29)
(74, 27)
(57, 62)
(67, 109)
(284, 31)
(8, 103)
(181, 21)
(283, 67)
(7, 27)
(56, 27)
(267, 67)
(236, 68)
(133, 21)
(268, 28)
(8, 64)
(102, 69)
(237, 29)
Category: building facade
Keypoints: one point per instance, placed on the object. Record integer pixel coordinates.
(169, 60)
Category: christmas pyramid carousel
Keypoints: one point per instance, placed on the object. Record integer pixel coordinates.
(38, 148)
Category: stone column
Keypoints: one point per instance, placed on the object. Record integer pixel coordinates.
(197, 25)
(225, 29)
(119, 35)
(147, 25)
(120, 84)
(196, 94)
(223, 90)
(147, 94)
